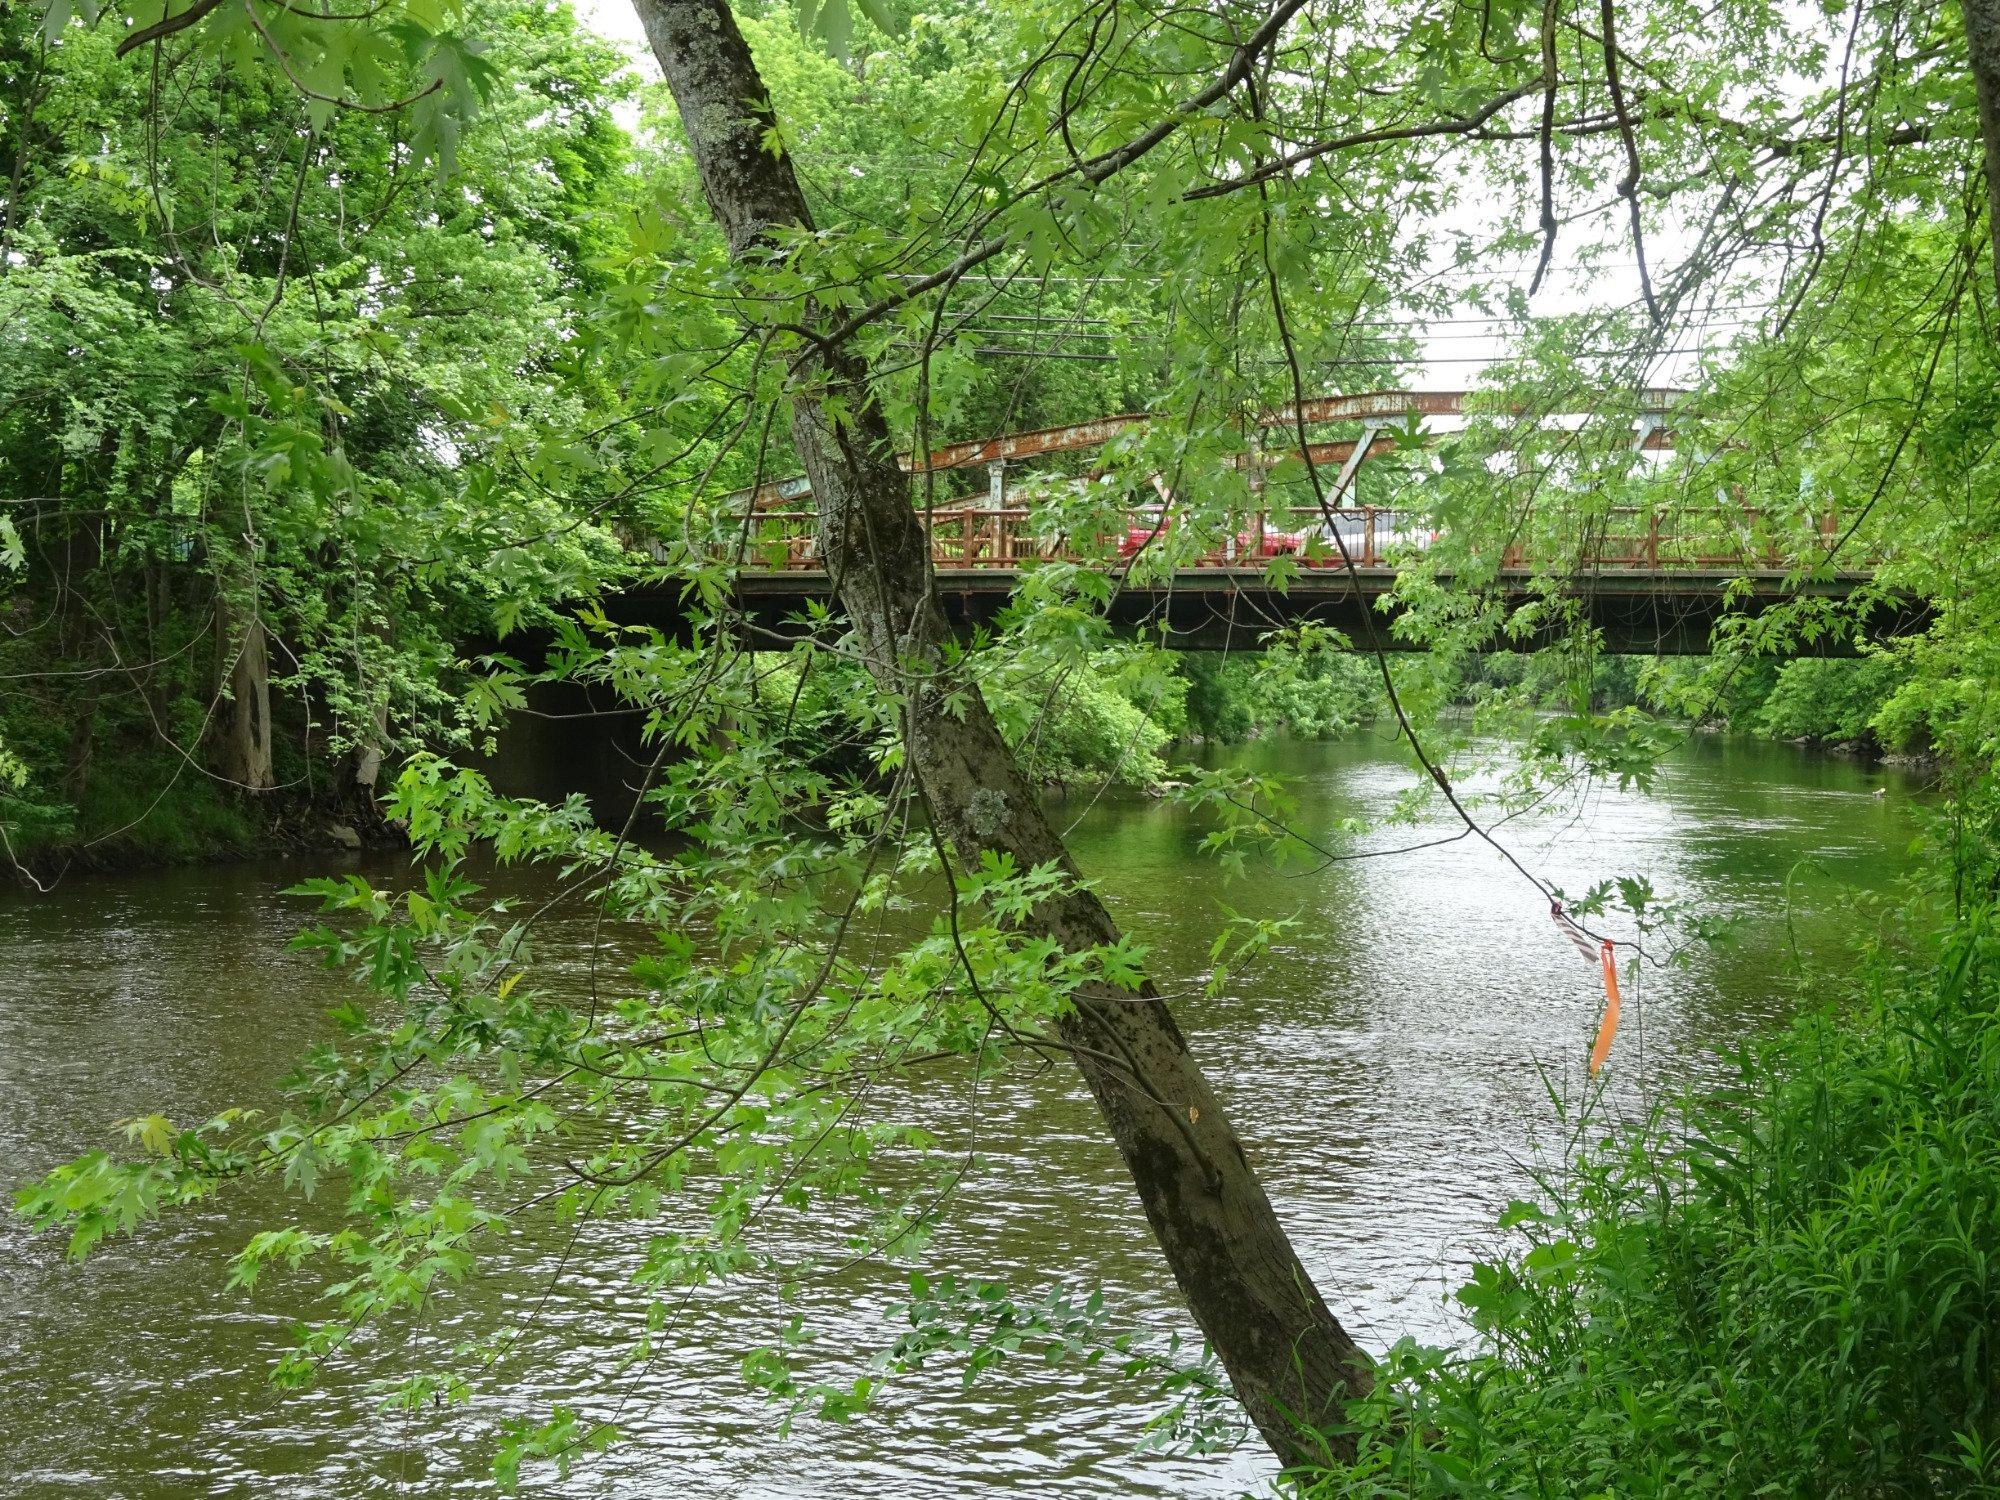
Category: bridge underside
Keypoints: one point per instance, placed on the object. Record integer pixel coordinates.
(1220, 609)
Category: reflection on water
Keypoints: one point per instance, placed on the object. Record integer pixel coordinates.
(1386, 1063)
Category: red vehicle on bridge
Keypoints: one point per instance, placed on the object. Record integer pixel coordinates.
(1252, 545)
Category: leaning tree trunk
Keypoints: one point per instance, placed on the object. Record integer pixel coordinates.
(1982, 44)
(1292, 1364)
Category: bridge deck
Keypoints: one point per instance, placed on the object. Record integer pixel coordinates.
(1231, 608)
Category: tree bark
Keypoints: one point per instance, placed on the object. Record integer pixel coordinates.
(1982, 43)
(246, 741)
(369, 753)
(1292, 1364)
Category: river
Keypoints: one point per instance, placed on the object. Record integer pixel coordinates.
(1387, 1064)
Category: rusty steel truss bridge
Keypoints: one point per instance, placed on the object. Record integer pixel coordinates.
(1649, 583)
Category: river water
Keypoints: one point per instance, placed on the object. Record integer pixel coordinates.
(1389, 1066)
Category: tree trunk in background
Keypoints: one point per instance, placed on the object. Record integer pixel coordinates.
(1291, 1362)
(368, 758)
(82, 745)
(246, 740)
(1982, 43)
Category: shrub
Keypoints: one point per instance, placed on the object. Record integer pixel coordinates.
(1828, 699)
(1317, 690)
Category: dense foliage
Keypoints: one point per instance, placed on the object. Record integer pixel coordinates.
(260, 361)
(354, 363)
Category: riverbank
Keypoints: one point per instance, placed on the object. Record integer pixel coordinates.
(211, 827)
(1118, 721)
(1109, 735)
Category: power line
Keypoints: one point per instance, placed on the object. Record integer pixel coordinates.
(1385, 361)
(1496, 336)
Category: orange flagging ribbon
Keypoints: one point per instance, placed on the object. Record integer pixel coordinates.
(1608, 1027)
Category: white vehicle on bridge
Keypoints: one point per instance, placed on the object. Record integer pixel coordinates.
(1368, 536)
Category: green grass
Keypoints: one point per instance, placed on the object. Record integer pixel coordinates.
(136, 811)
(195, 819)
(1787, 1287)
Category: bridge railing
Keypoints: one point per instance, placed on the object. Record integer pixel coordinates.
(1726, 536)
(982, 537)
(997, 530)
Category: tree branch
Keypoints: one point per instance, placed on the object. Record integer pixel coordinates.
(1457, 125)
(1093, 170)
(1548, 220)
(1628, 187)
(166, 26)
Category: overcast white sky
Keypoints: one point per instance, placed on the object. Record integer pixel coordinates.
(615, 19)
